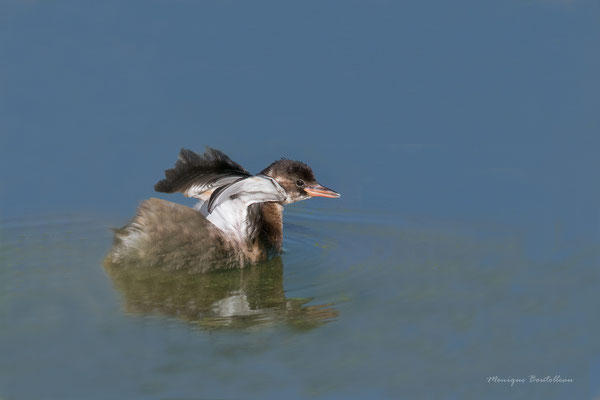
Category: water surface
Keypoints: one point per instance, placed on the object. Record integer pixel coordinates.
(357, 305)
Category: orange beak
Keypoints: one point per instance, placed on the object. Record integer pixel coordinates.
(321, 191)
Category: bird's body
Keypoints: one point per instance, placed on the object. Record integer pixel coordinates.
(238, 220)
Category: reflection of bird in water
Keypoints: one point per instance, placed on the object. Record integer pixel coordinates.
(252, 297)
(237, 221)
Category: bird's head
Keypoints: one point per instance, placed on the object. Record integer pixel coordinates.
(298, 180)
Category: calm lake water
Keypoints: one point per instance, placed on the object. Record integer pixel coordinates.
(359, 305)
(466, 244)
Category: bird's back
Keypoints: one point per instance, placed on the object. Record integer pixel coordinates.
(175, 237)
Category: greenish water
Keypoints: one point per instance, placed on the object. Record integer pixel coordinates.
(358, 305)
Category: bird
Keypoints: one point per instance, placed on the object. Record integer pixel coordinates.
(237, 221)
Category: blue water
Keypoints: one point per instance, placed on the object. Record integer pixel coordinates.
(463, 137)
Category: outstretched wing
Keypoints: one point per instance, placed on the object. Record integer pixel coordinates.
(197, 175)
(229, 206)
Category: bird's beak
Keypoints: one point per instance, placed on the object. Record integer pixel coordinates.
(321, 191)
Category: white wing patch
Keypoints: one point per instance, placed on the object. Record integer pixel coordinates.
(204, 190)
(228, 208)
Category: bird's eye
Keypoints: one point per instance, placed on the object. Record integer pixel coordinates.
(300, 182)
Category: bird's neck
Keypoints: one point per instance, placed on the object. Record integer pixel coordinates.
(272, 225)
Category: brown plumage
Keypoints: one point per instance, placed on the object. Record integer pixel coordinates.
(172, 236)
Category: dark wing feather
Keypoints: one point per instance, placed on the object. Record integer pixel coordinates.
(195, 174)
